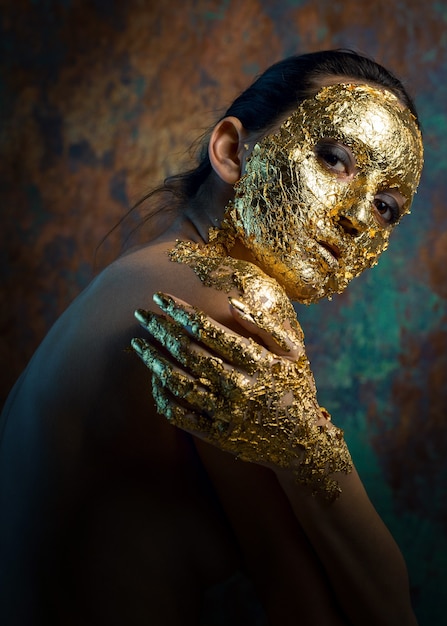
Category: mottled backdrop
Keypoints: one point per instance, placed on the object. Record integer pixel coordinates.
(100, 100)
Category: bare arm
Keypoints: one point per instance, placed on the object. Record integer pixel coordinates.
(361, 559)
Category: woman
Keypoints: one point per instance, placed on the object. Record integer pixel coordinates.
(112, 515)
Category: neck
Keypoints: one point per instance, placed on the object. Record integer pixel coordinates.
(203, 212)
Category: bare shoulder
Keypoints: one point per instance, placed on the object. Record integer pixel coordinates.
(84, 374)
(151, 269)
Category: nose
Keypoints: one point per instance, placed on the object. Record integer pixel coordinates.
(349, 226)
(354, 219)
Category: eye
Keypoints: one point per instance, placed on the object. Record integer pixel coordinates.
(335, 157)
(387, 208)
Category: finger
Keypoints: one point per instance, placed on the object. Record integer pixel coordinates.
(193, 422)
(179, 383)
(223, 341)
(169, 334)
(175, 413)
(196, 359)
(279, 338)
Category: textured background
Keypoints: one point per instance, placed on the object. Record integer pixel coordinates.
(100, 100)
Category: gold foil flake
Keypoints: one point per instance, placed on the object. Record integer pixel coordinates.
(266, 411)
(261, 299)
(309, 228)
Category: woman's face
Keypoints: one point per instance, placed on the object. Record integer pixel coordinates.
(320, 198)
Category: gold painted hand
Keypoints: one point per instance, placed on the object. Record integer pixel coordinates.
(240, 396)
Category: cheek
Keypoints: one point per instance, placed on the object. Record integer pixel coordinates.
(317, 188)
(364, 251)
(377, 243)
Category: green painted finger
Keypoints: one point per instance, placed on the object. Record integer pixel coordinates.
(180, 384)
(173, 337)
(227, 344)
(168, 333)
(177, 414)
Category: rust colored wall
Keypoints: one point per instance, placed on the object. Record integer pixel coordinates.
(100, 101)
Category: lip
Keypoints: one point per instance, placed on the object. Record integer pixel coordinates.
(330, 249)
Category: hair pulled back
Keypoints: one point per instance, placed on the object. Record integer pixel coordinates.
(279, 90)
(273, 95)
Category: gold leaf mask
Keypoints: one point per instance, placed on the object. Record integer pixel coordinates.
(317, 202)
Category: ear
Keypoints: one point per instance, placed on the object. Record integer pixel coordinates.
(226, 147)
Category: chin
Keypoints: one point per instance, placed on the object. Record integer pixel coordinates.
(303, 282)
(306, 296)
(301, 288)
(298, 289)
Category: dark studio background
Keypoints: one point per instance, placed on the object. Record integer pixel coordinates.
(101, 100)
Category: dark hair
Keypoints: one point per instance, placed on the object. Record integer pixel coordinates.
(272, 96)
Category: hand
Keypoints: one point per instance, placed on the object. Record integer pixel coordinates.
(240, 396)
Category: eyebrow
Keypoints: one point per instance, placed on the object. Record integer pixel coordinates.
(373, 154)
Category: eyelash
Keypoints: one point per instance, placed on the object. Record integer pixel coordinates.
(327, 152)
(391, 205)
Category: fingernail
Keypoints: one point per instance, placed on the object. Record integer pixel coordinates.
(137, 346)
(161, 299)
(240, 306)
(242, 310)
(140, 315)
